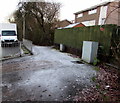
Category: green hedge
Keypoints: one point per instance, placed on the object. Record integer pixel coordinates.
(74, 37)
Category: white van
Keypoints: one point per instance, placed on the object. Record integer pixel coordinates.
(8, 32)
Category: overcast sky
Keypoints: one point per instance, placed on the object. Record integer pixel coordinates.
(68, 7)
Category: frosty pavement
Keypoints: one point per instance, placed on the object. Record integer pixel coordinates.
(48, 75)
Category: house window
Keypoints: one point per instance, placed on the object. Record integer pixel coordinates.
(92, 11)
(80, 15)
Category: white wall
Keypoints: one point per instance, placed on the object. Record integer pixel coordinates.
(89, 23)
(28, 44)
(103, 14)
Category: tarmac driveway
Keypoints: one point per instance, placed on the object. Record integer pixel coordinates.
(48, 75)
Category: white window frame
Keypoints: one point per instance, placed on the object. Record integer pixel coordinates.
(92, 11)
(80, 15)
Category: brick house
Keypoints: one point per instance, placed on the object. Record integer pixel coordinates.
(73, 25)
(63, 23)
(104, 13)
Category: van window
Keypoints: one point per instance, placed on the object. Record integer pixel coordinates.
(8, 33)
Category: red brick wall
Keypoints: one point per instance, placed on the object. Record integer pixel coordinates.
(88, 17)
(112, 17)
(63, 23)
(80, 25)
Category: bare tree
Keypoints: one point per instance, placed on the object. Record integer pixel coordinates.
(39, 15)
(43, 12)
(115, 46)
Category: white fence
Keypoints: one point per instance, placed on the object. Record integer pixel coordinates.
(13, 50)
(10, 50)
(28, 44)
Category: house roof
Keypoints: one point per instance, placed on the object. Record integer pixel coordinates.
(66, 20)
(93, 7)
(70, 26)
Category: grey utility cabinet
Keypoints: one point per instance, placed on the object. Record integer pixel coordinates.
(89, 51)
